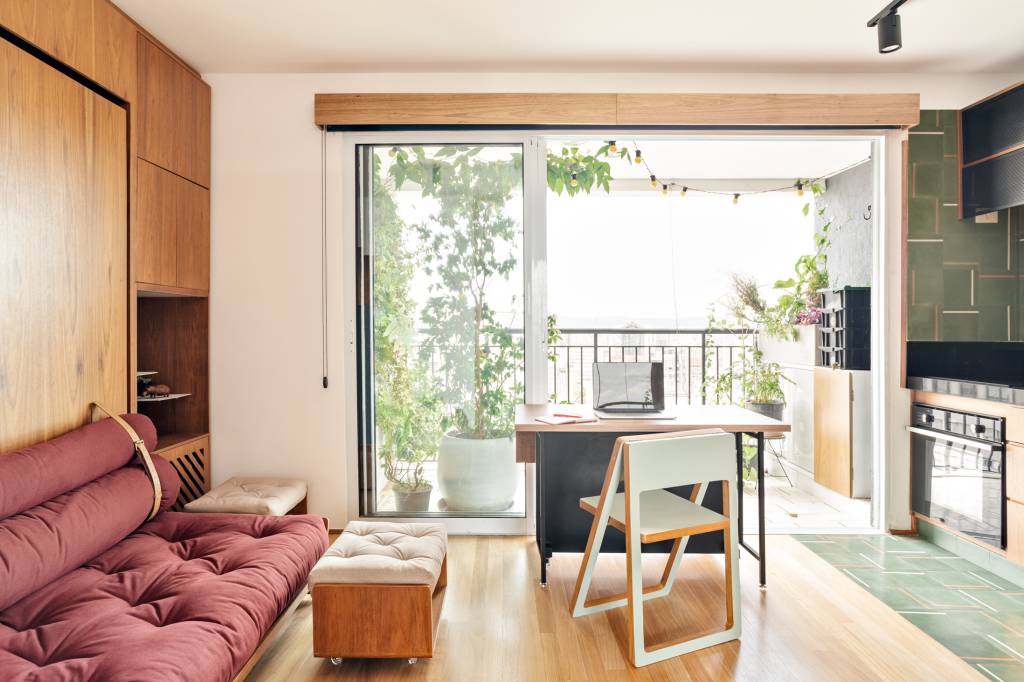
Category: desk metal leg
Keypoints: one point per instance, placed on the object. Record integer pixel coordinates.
(759, 553)
(538, 503)
(760, 505)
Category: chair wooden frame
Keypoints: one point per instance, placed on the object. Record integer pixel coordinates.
(636, 594)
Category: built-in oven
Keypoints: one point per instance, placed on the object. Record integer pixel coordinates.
(958, 471)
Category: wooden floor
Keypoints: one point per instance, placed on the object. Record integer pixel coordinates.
(812, 623)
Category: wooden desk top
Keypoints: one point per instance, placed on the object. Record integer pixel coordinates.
(688, 417)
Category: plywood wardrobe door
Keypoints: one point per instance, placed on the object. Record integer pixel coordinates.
(833, 424)
(63, 261)
(193, 239)
(61, 28)
(165, 115)
(115, 49)
(157, 217)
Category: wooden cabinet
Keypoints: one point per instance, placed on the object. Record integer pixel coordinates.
(114, 48)
(842, 431)
(91, 36)
(61, 28)
(172, 230)
(173, 115)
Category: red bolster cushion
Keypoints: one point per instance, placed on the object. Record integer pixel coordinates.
(51, 539)
(40, 472)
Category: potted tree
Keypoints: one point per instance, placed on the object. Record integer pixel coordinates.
(468, 245)
(409, 430)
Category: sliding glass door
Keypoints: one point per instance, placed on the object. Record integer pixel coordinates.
(441, 343)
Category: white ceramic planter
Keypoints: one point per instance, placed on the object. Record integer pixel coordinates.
(477, 475)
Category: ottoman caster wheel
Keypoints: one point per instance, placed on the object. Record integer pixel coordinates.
(412, 661)
(337, 660)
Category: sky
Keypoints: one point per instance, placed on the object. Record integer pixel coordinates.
(641, 258)
(651, 259)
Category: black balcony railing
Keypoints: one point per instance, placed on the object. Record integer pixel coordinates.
(690, 358)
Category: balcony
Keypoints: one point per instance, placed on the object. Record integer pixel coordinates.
(690, 358)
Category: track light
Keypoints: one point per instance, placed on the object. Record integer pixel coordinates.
(890, 35)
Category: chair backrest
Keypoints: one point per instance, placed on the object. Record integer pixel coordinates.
(666, 461)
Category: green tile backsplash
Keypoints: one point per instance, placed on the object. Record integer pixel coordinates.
(963, 280)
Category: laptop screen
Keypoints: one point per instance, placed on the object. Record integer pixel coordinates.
(629, 386)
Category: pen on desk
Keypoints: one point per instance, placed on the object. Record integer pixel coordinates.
(566, 414)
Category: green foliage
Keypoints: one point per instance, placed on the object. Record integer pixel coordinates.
(408, 408)
(468, 242)
(751, 377)
(573, 171)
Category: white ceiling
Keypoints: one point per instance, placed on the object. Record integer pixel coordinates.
(263, 36)
(693, 159)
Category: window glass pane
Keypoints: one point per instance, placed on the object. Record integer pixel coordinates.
(445, 227)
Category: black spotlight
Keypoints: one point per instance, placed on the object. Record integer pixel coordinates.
(890, 35)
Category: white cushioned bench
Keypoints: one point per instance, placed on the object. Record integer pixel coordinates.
(377, 591)
(268, 496)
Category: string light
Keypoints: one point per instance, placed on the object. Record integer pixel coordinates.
(612, 147)
(799, 188)
(572, 179)
(637, 158)
(664, 189)
(392, 152)
(682, 192)
(736, 198)
(654, 180)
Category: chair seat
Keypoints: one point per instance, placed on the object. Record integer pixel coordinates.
(663, 515)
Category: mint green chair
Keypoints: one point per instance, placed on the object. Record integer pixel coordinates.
(647, 512)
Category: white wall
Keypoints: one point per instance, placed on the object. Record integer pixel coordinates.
(269, 413)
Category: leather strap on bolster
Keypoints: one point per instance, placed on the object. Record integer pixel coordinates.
(143, 453)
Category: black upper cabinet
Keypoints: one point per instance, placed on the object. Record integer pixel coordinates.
(991, 153)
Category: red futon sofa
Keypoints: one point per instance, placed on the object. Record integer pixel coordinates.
(91, 591)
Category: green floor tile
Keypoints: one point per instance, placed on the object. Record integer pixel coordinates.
(973, 612)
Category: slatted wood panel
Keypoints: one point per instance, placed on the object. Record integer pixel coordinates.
(191, 460)
(63, 250)
(833, 429)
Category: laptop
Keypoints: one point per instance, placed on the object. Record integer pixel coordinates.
(630, 390)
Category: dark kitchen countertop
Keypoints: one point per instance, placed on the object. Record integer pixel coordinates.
(999, 393)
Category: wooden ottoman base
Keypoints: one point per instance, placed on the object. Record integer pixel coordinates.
(360, 620)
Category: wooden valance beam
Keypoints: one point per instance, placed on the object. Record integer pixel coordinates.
(567, 109)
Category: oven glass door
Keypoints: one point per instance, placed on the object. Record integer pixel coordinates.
(959, 484)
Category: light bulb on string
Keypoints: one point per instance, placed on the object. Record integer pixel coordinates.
(664, 189)
(392, 152)
(654, 180)
(572, 179)
(682, 192)
(636, 158)
(735, 198)
(799, 188)
(612, 147)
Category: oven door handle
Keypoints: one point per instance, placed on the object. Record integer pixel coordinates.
(960, 440)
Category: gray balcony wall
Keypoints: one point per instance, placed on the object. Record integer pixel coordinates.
(847, 199)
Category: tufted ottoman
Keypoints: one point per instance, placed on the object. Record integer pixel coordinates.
(377, 592)
(266, 496)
